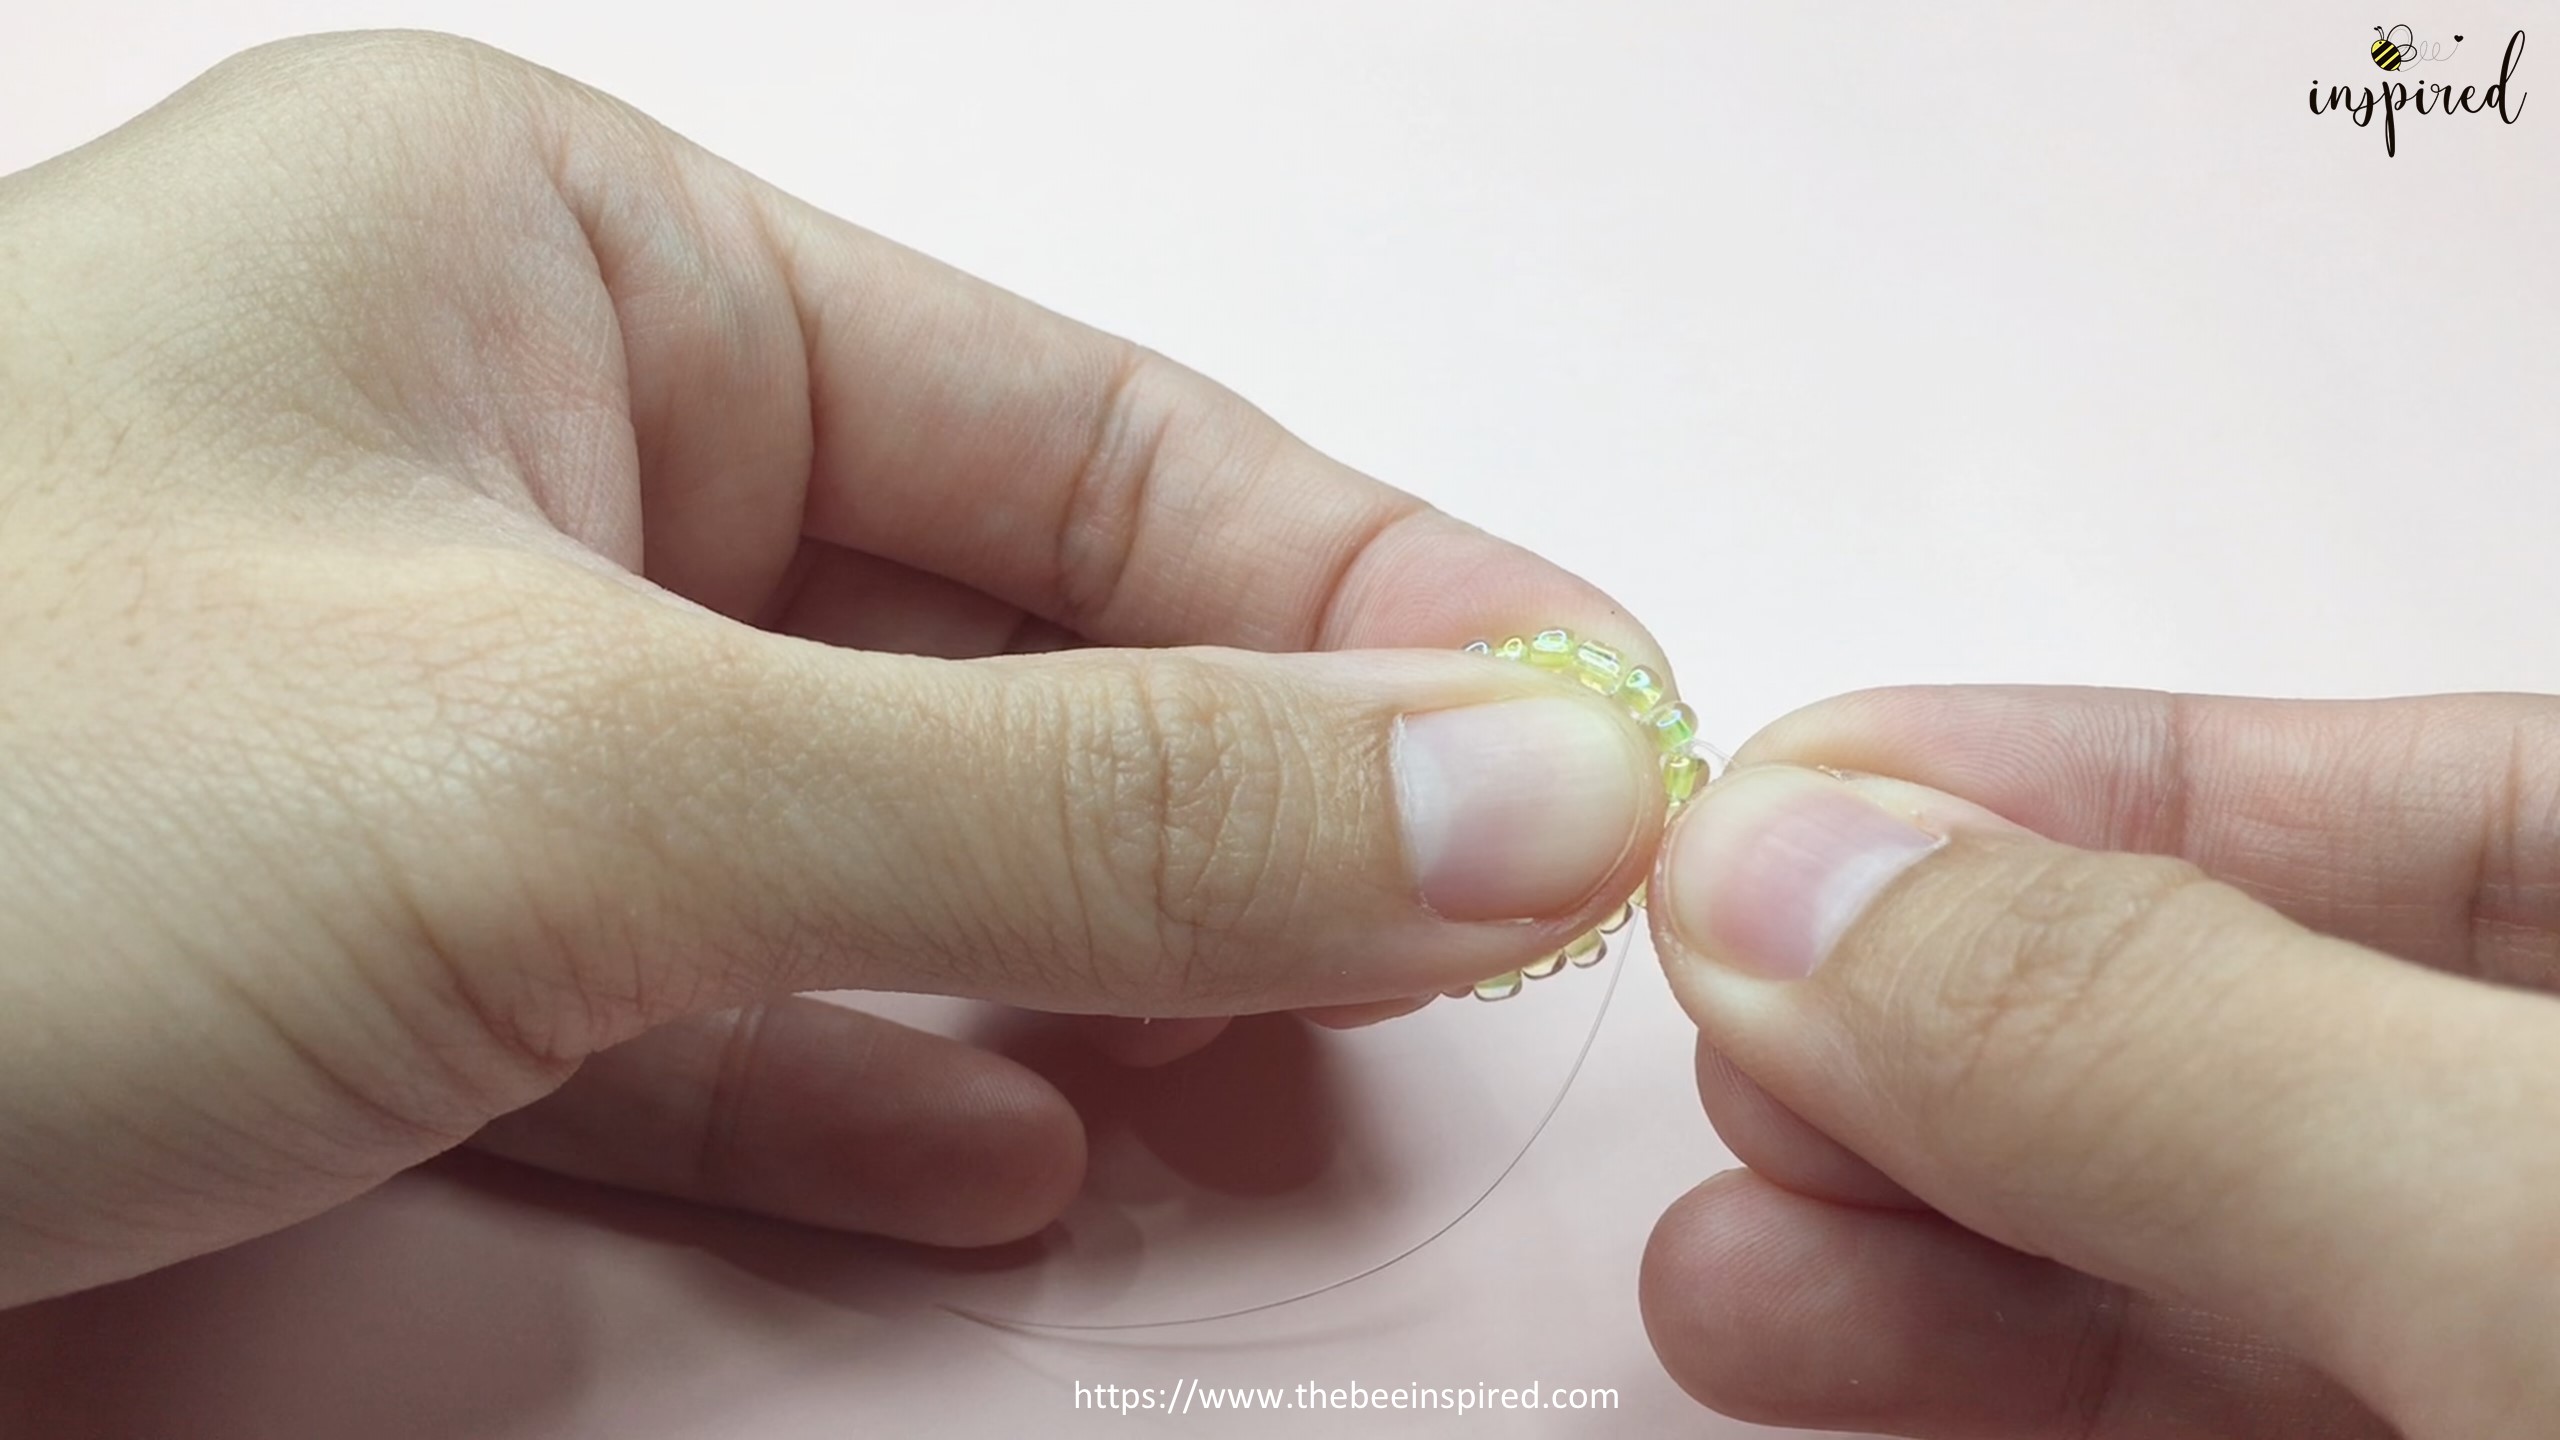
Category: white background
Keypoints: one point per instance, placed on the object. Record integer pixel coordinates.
(1846, 345)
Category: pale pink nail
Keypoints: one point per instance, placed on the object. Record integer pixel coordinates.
(1770, 866)
(1520, 809)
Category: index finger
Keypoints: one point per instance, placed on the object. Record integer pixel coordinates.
(2418, 826)
(965, 431)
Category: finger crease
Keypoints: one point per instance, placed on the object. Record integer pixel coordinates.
(1104, 507)
(2173, 816)
(2097, 1361)
(1339, 583)
(724, 1106)
(2501, 823)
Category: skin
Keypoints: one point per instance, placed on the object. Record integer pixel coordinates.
(2201, 1082)
(499, 600)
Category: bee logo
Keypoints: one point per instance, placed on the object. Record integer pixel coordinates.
(2399, 46)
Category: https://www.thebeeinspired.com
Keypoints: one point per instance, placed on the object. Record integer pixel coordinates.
(1189, 1397)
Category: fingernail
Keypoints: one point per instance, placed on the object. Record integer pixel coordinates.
(1772, 864)
(1518, 810)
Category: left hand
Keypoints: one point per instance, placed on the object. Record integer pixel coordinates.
(452, 531)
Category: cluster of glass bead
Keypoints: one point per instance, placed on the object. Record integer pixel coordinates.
(1673, 728)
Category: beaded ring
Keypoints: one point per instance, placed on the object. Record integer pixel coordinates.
(1646, 700)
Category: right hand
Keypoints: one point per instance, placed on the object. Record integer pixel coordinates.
(2203, 1082)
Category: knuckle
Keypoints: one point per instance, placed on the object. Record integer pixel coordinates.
(328, 130)
(1179, 778)
(1107, 491)
(286, 183)
(1150, 417)
(721, 1154)
(325, 71)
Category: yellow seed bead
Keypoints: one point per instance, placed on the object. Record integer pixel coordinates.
(1680, 776)
(1514, 648)
(1500, 987)
(1641, 691)
(1617, 920)
(1542, 968)
(1598, 666)
(1551, 649)
(1637, 899)
(1586, 949)
(1673, 726)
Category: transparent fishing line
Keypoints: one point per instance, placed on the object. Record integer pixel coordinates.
(1286, 1160)
(1281, 1161)
(1046, 1312)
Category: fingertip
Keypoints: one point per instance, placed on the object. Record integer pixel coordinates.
(810, 1112)
(1772, 1307)
(1028, 1154)
(1523, 808)
(1704, 1289)
(1769, 867)
(981, 1153)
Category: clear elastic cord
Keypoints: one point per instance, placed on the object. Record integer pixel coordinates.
(1287, 1161)
(1213, 1199)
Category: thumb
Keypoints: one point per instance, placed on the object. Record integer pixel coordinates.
(2119, 1063)
(1151, 832)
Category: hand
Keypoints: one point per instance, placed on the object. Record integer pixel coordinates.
(2252, 1131)
(497, 599)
